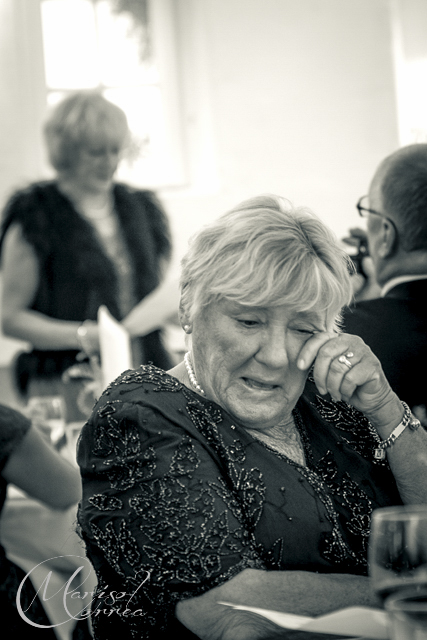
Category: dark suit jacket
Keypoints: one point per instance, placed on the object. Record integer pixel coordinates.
(395, 328)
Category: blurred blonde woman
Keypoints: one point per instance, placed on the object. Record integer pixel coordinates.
(77, 242)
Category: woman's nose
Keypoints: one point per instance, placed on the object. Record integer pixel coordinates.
(113, 157)
(110, 161)
(273, 351)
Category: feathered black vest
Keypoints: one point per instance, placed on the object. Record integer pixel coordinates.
(76, 275)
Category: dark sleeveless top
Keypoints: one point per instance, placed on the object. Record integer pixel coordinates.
(76, 274)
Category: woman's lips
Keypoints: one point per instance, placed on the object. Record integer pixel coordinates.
(256, 384)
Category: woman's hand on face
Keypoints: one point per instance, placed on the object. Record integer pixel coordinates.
(346, 368)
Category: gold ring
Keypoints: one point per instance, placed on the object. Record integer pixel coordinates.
(345, 361)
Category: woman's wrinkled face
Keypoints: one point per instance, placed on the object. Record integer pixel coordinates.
(96, 163)
(245, 358)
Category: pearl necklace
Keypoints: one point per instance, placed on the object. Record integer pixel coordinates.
(192, 375)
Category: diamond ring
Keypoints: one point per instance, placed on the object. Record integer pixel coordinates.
(344, 359)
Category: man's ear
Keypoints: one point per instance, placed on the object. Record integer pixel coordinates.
(388, 239)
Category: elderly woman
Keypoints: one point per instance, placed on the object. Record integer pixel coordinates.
(248, 473)
(79, 241)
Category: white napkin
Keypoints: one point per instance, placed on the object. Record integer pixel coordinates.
(352, 621)
(114, 340)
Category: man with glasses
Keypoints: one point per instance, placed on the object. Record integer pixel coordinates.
(394, 324)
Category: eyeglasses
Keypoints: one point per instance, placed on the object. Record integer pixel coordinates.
(364, 211)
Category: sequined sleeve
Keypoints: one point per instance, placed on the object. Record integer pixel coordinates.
(158, 514)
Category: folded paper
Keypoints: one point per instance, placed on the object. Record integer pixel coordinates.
(351, 621)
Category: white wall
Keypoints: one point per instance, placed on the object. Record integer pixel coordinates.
(22, 95)
(22, 106)
(409, 23)
(295, 97)
(301, 98)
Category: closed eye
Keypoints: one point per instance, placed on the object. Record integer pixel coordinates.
(308, 332)
(248, 323)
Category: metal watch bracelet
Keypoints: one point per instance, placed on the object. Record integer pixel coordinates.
(408, 420)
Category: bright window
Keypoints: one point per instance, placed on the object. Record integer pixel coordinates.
(88, 44)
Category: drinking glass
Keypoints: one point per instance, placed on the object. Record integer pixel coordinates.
(47, 413)
(407, 615)
(72, 433)
(398, 549)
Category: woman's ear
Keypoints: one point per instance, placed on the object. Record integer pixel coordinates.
(184, 319)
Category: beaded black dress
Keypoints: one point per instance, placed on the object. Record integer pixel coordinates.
(178, 498)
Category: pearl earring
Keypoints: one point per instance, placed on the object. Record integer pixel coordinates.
(187, 328)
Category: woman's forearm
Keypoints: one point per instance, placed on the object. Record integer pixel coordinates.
(41, 331)
(21, 281)
(408, 455)
(154, 310)
(39, 470)
(297, 592)
(408, 461)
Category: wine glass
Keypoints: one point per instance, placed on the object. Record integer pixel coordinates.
(47, 413)
(407, 615)
(397, 550)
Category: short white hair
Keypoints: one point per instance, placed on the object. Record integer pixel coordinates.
(265, 252)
